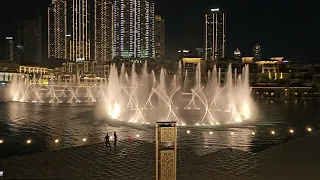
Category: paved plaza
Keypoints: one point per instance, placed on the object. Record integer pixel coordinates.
(297, 159)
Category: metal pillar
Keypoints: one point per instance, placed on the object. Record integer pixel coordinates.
(166, 151)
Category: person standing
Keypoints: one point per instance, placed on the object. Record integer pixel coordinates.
(107, 139)
(115, 139)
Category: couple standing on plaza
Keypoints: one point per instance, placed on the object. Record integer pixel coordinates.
(107, 139)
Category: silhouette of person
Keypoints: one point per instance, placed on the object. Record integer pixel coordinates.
(115, 139)
(107, 139)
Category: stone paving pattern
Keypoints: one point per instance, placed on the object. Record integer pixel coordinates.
(298, 159)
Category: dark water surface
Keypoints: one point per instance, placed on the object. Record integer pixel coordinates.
(70, 123)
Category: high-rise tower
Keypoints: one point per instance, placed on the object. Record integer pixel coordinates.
(103, 30)
(133, 29)
(79, 29)
(29, 40)
(10, 48)
(57, 29)
(215, 35)
(159, 38)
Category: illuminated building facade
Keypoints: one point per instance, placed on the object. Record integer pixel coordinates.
(133, 29)
(79, 29)
(159, 38)
(10, 49)
(57, 29)
(103, 30)
(215, 35)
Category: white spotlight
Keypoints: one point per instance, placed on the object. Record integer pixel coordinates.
(232, 133)
(1, 141)
(29, 141)
(272, 132)
(188, 131)
(56, 141)
(309, 129)
(210, 132)
(253, 133)
(84, 139)
(138, 135)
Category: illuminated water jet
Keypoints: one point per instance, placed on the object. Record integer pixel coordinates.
(147, 97)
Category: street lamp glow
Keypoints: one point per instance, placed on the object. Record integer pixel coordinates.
(138, 135)
(291, 131)
(210, 132)
(232, 133)
(272, 132)
(253, 133)
(28, 141)
(1, 141)
(309, 129)
(188, 131)
(84, 139)
(56, 141)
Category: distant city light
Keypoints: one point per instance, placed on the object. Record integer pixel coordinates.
(56, 141)
(184, 51)
(309, 129)
(80, 59)
(215, 10)
(291, 131)
(1, 141)
(28, 141)
(272, 132)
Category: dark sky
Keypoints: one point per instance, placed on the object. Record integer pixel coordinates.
(281, 27)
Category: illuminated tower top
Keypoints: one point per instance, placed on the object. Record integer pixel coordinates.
(257, 52)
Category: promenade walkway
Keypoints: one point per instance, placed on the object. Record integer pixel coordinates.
(295, 160)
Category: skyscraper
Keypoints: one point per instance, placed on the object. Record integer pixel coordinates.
(57, 29)
(79, 29)
(133, 29)
(103, 30)
(29, 40)
(159, 38)
(215, 35)
(10, 48)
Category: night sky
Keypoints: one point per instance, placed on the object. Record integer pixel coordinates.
(282, 28)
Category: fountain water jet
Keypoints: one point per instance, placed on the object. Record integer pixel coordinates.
(146, 97)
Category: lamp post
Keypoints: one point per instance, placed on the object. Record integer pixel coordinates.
(166, 150)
